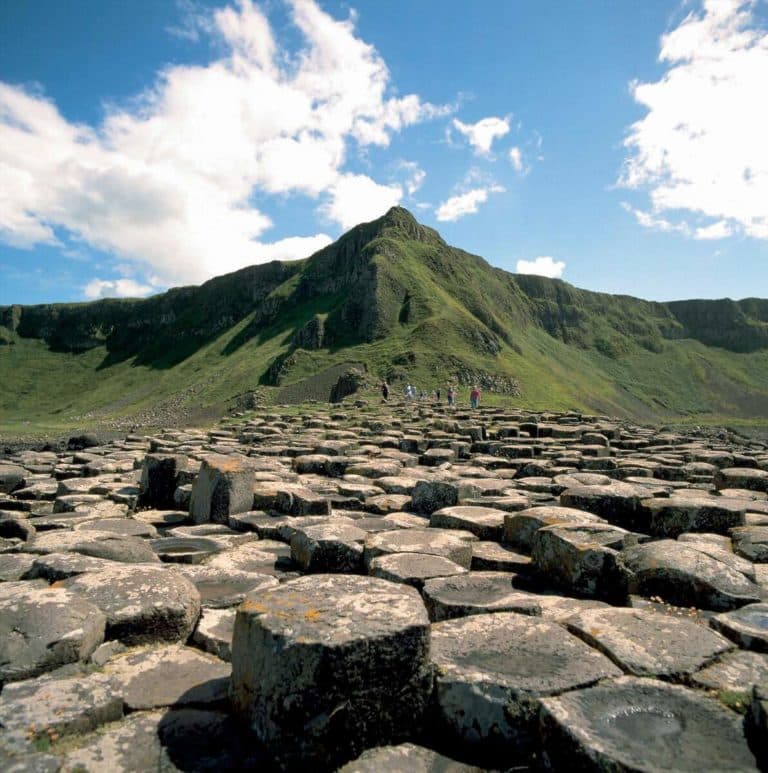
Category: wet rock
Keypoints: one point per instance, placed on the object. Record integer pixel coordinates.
(223, 486)
(682, 575)
(413, 568)
(647, 643)
(641, 724)
(169, 676)
(486, 523)
(492, 671)
(326, 666)
(452, 544)
(582, 559)
(747, 626)
(43, 628)
(142, 604)
(474, 594)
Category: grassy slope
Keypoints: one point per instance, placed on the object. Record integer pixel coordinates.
(568, 348)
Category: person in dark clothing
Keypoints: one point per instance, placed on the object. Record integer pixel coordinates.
(385, 390)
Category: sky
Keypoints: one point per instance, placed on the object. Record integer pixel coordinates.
(620, 146)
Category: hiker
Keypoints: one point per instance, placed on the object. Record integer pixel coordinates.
(474, 396)
(437, 395)
(384, 390)
(451, 395)
(407, 391)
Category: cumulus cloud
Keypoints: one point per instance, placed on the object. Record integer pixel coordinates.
(169, 182)
(116, 288)
(481, 135)
(544, 265)
(700, 149)
(465, 204)
(415, 176)
(516, 159)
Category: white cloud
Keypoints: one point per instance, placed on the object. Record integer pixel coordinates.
(650, 220)
(544, 265)
(516, 159)
(465, 204)
(116, 288)
(719, 230)
(701, 146)
(168, 183)
(356, 198)
(481, 135)
(415, 176)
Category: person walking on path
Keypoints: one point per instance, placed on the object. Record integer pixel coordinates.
(474, 397)
(385, 390)
(451, 395)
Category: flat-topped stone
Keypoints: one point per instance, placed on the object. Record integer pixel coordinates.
(413, 568)
(97, 544)
(486, 523)
(328, 665)
(671, 516)
(223, 486)
(520, 527)
(142, 604)
(43, 628)
(648, 643)
(328, 548)
(405, 758)
(449, 543)
(641, 725)
(747, 626)
(492, 670)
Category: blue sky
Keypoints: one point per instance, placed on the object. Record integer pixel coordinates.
(618, 145)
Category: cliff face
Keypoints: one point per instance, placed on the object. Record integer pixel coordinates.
(739, 326)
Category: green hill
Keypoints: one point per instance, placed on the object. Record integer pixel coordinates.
(391, 295)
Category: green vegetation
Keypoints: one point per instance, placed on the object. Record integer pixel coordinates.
(392, 296)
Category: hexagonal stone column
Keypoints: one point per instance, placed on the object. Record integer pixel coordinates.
(642, 724)
(492, 671)
(223, 487)
(326, 666)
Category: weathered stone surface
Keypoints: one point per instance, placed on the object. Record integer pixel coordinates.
(735, 672)
(413, 568)
(492, 557)
(125, 527)
(560, 608)
(405, 758)
(647, 643)
(757, 726)
(449, 543)
(150, 678)
(486, 523)
(491, 673)
(184, 550)
(43, 628)
(474, 594)
(39, 710)
(168, 741)
(747, 626)
(14, 566)
(751, 542)
(742, 478)
(326, 666)
(142, 604)
(97, 544)
(214, 632)
(221, 588)
(329, 548)
(223, 486)
(643, 725)
(520, 527)
(12, 477)
(431, 495)
(60, 566)
(671, 516)
(617, 503)
(582, 559)
(159, 479)
(682, 575)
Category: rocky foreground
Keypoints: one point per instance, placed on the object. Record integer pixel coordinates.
(387, 588)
